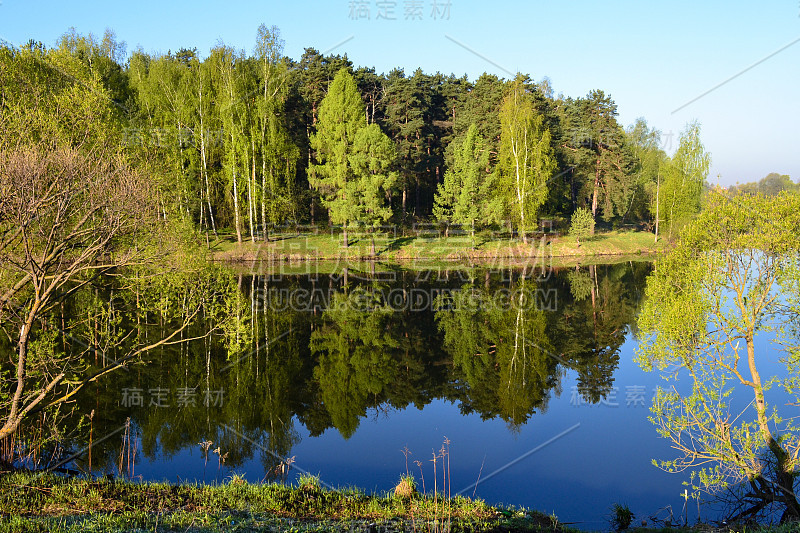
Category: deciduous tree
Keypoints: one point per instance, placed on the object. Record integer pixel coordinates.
(683, 179)
(716, 314)
(526, 159)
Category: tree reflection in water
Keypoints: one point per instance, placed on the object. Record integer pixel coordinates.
(321, 351)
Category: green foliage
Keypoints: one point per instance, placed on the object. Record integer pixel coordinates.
(218, 129)
(621, 517)
(648, 161)
(228, 141)
(682, 181)
(582, 224)
(341, 117)
(406, 113)
(612, 186)
(481, 107)
(770, 185)
(371, 161)
(466, 196)
(353, 176)
(594, 146)
(708, 306)
(52, 98)
(277, 152)
(526, 161)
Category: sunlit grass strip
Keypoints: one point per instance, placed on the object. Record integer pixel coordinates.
(311, 247)
(55, 503)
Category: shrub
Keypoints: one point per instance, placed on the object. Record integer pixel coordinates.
(621, 517)
(581, 225)
(406, 488)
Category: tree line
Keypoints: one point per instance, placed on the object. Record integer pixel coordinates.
(770, 185)
(248, 141)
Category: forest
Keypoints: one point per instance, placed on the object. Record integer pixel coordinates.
(240, 142)
(115, 166)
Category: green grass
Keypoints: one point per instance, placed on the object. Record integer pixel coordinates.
(422, 249)
(49, 503)
(54, 503)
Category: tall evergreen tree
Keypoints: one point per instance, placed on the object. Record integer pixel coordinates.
(466, 195)
(592, 143)
(372, 160)
(405, 112)
(609, 185)
(353, 158)
(316, 72)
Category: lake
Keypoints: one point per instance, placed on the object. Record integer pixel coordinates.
(361, 375)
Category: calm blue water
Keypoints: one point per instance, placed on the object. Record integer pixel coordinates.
(345, 382)
(573, 458)
(578, 477)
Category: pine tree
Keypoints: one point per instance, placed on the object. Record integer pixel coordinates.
(353, 157)
(465, 196)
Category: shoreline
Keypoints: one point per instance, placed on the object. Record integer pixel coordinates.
(418, 252)
(46, 502)
(38, 502)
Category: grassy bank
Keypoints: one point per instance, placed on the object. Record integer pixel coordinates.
(50, 503)
(424, 247)
(53, 503)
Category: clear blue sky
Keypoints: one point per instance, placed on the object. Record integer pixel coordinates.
(651, 57)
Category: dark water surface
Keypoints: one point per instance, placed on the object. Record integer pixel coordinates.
(529, 375)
